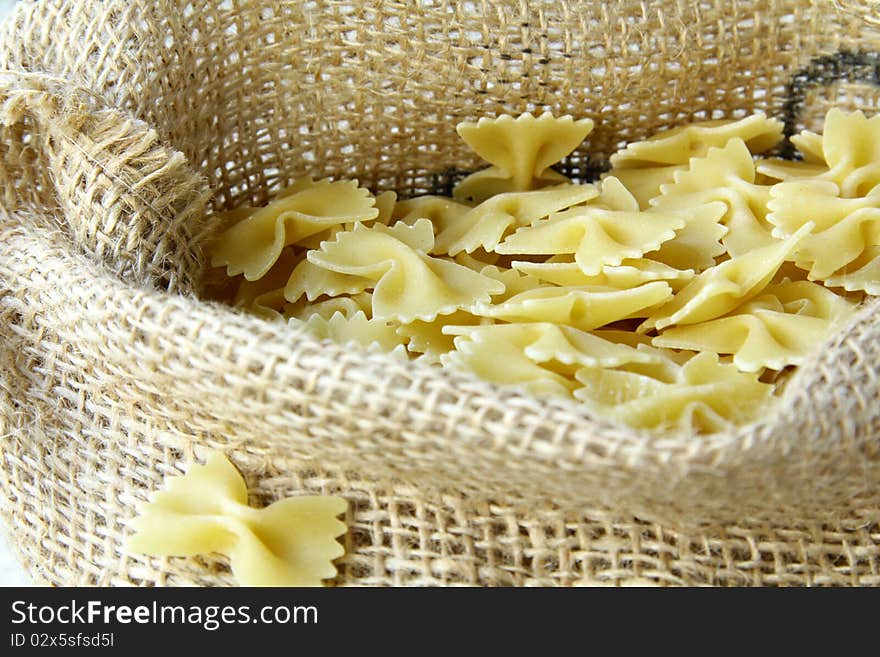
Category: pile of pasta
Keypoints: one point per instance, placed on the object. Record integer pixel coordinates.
(671, 294)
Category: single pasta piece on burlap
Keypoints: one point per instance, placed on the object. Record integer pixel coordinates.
(252, 245)
(726, 175)
(521, 152)
(646, 165)
(722, 288)
(845, 228)
(702, 395)
(782, 327)
(408, 284)
(291, 542)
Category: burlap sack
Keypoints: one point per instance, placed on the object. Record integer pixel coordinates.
(125, 123)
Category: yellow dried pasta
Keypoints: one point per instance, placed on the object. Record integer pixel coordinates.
(775, 330)
(705, 395)
(252, 245)
(355, 328)
(722, 288)
(485, 226)
(521, 152)
(598, 237)
(621, 293)
(631, 272)
(678, 145)
(645, 166)
(582, 307)
(844, 227)
(291, 542)
(724, 175)
(408, 284)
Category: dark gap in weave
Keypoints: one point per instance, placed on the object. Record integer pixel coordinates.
(842, 66)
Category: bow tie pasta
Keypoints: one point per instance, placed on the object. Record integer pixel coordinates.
(674, 294)
(254, 243)
(645, 166)
(521, 152)
(291, 542)
(725, 175)
(848, 156)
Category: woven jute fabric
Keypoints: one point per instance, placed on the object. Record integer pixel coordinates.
(126, 125)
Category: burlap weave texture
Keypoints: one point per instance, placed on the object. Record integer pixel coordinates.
(125, 124)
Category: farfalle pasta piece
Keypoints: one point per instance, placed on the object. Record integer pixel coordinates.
(252, 245)
(849, 155)
(476, 260)
(860, 275)
(408, 283)
(385, 207)
(428, 338)
(582, 307)
(851, 147)
(514, 281)
(809, 144)
(644, 184)
(727, 175)
(696, 245)
(544, 342)
(486, 225)
(439, 210)
(679, 145)
(521, 152)
(385, 203)
(315, 281)
(599, 237)
(265, 296)
(355, 329)
(326, 308)
(502, 361)
(777, 329)
(722, 288)
(844, 227)
(631, 272)
(646, 165)
(705, 395)
(613, 195)
(291, 542)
